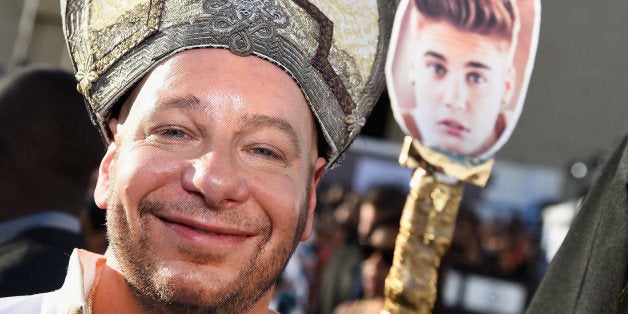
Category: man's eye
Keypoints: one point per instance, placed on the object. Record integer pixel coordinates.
(475, 78)
(173, 133)
(265, 152)
(438, 69)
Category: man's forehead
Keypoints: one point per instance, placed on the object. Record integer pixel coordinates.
(444, 30)
(209, 69)
(452, 45)
(204, 62)
(199, 80)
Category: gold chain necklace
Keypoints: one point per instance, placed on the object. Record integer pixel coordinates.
(90, 301)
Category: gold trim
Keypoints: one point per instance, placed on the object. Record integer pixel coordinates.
(425, 234)
(152, 26)
(415, 155)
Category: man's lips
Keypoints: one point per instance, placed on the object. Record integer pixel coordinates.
(453, 127)
(202, 232)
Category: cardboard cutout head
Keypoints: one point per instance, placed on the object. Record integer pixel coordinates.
(458, 71)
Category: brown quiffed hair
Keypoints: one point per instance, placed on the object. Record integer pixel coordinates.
(486, 17)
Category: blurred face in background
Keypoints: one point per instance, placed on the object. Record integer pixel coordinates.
(377, 256)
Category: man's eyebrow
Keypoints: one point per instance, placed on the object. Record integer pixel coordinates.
(477, 65)
(264, 121)
(435, 54)
(186, 102)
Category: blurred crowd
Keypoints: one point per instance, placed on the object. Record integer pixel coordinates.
(346, 274)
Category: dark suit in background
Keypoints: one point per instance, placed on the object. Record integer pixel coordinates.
(31, 262)
(589, 274)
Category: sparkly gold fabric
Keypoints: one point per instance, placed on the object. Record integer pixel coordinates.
(465, 169)
(334, 50)
(425, 233)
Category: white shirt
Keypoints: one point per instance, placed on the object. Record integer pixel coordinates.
(71, 297)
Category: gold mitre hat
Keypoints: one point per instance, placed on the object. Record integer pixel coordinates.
(333, 49)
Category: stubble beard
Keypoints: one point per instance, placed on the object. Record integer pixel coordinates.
(142, 273)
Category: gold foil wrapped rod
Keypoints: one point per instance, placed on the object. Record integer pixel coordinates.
(440, 161)
(425, 234)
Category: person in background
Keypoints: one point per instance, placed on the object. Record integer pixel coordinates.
(342, 277)
(93, 220)
(48, 149)
(377, 257)
(93, 227)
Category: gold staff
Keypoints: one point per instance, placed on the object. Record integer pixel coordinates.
(429, 214)
(427, 226)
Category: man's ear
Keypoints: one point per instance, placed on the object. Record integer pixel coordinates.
(509, 89)
(319, 170)
(101, 192)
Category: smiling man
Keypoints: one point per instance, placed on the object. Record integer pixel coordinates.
(220, 118)
(209, 186)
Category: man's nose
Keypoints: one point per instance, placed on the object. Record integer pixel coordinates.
(216, 176)
(455, 96)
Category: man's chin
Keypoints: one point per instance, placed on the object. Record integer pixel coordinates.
(183, 287)
(456, 145)
(176, 295)
(185, 279)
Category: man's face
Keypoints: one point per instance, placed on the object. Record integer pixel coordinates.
(367, 217)
(459, 82)
(377, 259)
(210, 181)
